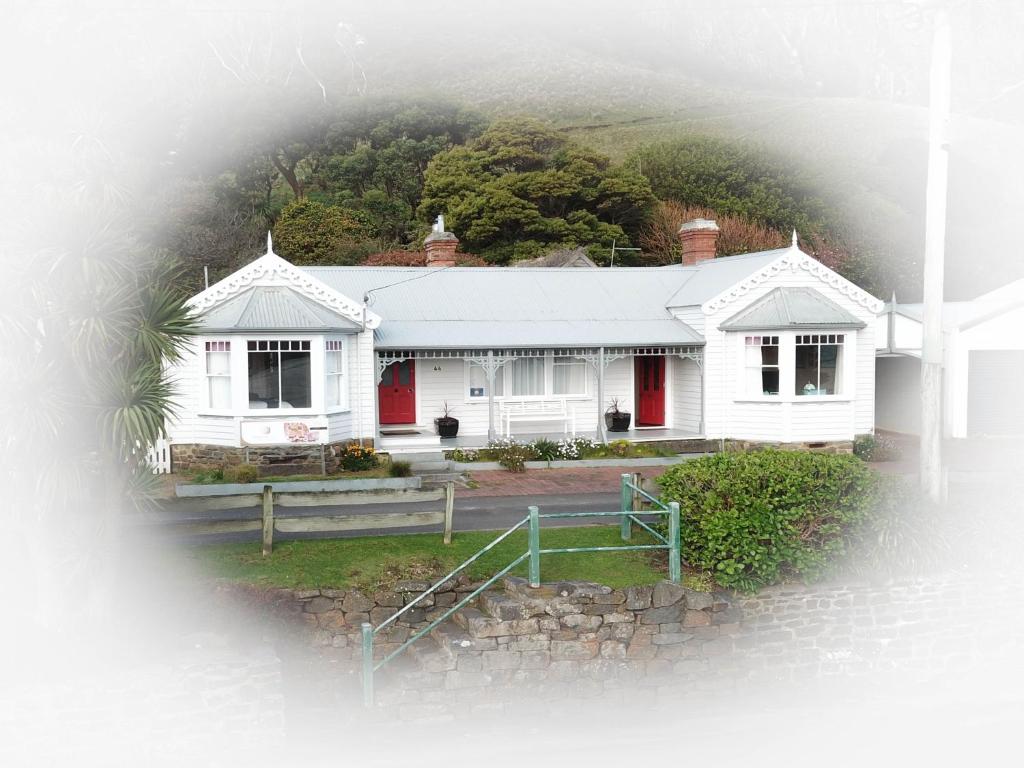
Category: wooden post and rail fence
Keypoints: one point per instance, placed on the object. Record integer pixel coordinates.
(274, 520)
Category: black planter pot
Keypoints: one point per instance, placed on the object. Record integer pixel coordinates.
(617, 421)
(447, 426)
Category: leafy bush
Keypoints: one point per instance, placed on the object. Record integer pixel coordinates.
(400, 469)
(757, 518)
(876, 448)
(356, 458)
(575, 448)
(241, 473)
(208, 476)
(547, 450)
(510, 454)
(464, 455)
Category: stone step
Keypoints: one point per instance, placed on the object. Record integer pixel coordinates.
(479, 625)
(454, 640)
(505, 607)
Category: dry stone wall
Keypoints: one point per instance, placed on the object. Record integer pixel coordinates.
(577, 640)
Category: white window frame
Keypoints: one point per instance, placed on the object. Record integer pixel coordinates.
(316, 375)
(787, 367)
(757, 341)
(549, 387)
(342, 344)
(204, 352)
(818, 340)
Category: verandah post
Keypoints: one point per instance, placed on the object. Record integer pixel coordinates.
(626, 499)
(675, 571)
(534, 541)
(367, 664)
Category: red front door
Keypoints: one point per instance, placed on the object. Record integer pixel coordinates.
(396, 393)
(650, 391)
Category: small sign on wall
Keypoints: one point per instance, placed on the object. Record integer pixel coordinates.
(476, 391)
(284, 432)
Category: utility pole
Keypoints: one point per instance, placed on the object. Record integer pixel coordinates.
(934, 256)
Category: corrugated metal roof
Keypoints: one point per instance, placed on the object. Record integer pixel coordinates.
(265, 308)
(785, 308)
(506, 306)
(707, 280)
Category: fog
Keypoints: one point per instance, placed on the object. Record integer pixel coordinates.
(116, 650)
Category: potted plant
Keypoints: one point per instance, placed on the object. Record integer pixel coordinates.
(447, 425)
(616, 420)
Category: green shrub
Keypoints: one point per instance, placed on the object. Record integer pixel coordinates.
(758, 518)
(510, 454)
(208, 476)
(241, 473)
(546, 450)
(356, 458)
(463, 455)
(875, 448)
(400, 469)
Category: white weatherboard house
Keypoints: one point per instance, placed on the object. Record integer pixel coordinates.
(764, 347)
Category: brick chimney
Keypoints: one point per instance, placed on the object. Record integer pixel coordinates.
(699, 238)
(440, 246)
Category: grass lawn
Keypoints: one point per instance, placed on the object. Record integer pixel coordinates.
(378, 561)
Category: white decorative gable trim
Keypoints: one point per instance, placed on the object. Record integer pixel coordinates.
(271, 268)
(794, 259)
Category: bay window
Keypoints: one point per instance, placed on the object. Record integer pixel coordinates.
(279, 374)
(761, 365)
(218, 374)
(818, 364)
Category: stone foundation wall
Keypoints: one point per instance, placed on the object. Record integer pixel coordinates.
(271, 460)
(831, 446)
(578, 640)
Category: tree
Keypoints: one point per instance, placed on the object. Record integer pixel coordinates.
(309, 232)
(522, 186)
(660, 235)
(731, 178)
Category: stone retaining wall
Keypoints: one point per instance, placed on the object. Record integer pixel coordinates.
(580, 640)
(271, 459)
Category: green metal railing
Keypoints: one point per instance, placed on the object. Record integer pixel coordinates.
(631, 492)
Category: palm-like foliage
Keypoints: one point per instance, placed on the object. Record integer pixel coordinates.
(90, 316)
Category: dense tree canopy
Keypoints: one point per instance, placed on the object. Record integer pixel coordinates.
(309, 232)
(522, 187)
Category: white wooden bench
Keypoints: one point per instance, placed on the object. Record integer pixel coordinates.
(536, 411)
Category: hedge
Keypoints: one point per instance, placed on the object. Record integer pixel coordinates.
(755, 519)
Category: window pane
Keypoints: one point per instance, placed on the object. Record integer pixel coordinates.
(524, 377)
(263, 384)
(403, 373)
(806, 381)
(332, 390)
(830, 376)
(769, 355)
(569, 376)
(334, 362)
(220, 391)
(218, 363)
(295, 380)
(477, 381)
(770, 381)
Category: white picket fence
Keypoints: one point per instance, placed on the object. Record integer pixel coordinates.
(158, 456)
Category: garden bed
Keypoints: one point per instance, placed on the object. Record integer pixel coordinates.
(650, 461)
